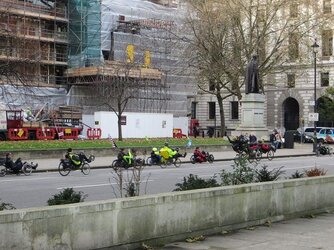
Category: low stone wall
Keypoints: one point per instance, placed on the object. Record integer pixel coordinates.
(158, 219)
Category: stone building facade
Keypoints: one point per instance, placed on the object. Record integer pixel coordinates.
(289, 92)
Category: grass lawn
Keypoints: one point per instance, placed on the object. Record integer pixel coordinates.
(106, 143)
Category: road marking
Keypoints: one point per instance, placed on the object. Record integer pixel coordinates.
(99, 185)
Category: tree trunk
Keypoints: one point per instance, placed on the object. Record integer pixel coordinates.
(120, 138)
(119, 122)
(222, 115)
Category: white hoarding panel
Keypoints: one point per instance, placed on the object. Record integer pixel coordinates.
(182, 123)
(135, 125)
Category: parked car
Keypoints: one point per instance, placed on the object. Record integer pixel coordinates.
(298, 136)
(325, 135)
(310, 130)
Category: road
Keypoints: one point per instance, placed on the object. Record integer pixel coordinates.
(33, 191)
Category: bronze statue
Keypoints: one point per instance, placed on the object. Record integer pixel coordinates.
(252, 76)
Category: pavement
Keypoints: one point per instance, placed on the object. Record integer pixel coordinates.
(305, 149)
(297, 234)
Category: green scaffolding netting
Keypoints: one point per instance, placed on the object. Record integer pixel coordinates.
(84, 33)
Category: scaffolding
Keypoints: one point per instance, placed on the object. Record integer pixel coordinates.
(68, 45)
(136, 34)
(33, 41)
(84, 33)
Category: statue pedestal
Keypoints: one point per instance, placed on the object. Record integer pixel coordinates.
(252, 116)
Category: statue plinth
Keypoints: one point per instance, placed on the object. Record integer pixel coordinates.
(252, 116)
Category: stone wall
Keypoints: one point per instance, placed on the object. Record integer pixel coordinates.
(158, 219)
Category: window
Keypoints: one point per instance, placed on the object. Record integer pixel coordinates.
(327, 43)
(327, 6)
(291, 80)
(325, 79)
(212, 110)
(293, 10)
(293, 46)
(234, 110)
(123, 120)
(193, 110)
(212, 86)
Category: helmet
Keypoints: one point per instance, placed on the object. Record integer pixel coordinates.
(154, 149)
(166, 144)
(69, 150)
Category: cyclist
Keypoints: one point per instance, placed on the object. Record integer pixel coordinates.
(14, 166)
(123, 157)
(171, 152)
(76, 159)
(155, 155)
(200, 157)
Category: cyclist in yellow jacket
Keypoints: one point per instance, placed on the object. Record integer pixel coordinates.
(171, 152)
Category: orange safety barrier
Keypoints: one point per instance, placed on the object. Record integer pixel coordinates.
(177, 133)
(18, 133)
(68, 133)
(45, 134)
(94, 133)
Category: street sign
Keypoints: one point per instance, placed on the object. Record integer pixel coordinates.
(313, 117)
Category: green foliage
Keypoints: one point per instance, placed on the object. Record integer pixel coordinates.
(6, 206)
(241, 173)
(67, 196)
(264, 174)
(326, 105)
(297, 175)
(315, 172)
(194, 182)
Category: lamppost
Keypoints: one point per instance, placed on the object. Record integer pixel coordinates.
(315, 47)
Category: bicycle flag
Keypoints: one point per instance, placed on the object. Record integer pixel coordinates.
(112, 142)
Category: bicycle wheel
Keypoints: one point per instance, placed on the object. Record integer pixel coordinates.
(164, 163)
(85, 168)
(91, 158)
(116, 165)
(210, 158)
(192, 159)
(270, 155)
(27, 169)
(63, 169)
(2, 170)
(177, 162)
(149, 161)
(138, 163)
(258, 155)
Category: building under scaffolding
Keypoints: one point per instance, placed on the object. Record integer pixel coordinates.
(33, 52)
(141, 36)
(66, 46)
